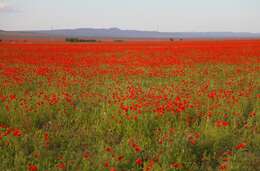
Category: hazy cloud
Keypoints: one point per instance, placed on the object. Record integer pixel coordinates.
(4, 7)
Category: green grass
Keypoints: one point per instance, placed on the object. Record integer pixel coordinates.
(90, 120)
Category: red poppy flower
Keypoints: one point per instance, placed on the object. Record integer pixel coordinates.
(17, 133)
(176, 165)
(112, 169)
(241, 146)
(221, 123)
(138, 161)
(32, 167)
(61, 165)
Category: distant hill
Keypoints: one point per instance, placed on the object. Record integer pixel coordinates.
(22, 35)
(118, 33)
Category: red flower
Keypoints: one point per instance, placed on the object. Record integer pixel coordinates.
(112, 169)
(240, 146)
(46, 139)
(228, 153)
(46, 136)
(61, 165)
(17, 133)
(138, 149)
(53, 99)
(135, 146)
(212, 94)
(176, 165)
(109, 149)
(221, 123)
(150, 165)
(12, 97)
(223, 166)
(32, 167)
(42, 71)
(138, 161)
(252, 114)
(107, 164)
(193, 142)
(120, 158)
(86, 155)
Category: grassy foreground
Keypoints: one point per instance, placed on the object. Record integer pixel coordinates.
(189, 117)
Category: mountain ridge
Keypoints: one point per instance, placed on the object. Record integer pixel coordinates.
(119, 33)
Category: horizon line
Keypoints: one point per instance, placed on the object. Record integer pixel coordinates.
(117, 28)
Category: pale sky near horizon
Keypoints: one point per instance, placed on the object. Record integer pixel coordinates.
(162, 15)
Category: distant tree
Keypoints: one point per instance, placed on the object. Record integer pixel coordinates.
(171, 39)
(71, 39)
(118, 40)
(0, 40)
(80, 40)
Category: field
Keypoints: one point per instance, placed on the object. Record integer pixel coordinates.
(130, 106)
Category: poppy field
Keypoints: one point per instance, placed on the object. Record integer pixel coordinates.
(130, 106)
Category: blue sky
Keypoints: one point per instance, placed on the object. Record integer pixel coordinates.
(164, 15)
